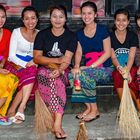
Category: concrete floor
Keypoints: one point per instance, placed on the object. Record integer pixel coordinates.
(101, 129)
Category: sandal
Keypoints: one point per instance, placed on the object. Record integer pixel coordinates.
(19, 118)
(80, 116)
(90, 118)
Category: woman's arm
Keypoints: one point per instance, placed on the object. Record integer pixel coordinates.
(3, 71)
(13, 49)
(63, 66)
(78, 56)
(114, 59)
(131, 57)
(43, 60)
(77, 60)
(67, 61)
(2, 62)
(106, 55)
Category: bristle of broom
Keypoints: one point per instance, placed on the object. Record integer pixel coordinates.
(43, 117)
(82, 133)
(128, 121)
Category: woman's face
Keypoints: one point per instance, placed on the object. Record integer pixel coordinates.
(121, 22)
(88, 15)
(30, 20)
(138, 22)
(58, 18)
(2, 18)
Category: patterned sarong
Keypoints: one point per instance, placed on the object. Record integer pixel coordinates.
(26, 75)
(88, 78)
(52, 90)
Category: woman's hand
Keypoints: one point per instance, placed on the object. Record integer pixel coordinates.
(30, 63)
(129, 78)
(4, 71)
(75, 71)
(121, 70)
(55, 73)
(64, 59)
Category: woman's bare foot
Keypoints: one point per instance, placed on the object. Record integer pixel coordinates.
(21, 109)
(59, 133)
(11, 114)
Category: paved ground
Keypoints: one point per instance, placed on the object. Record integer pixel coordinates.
(101, 129)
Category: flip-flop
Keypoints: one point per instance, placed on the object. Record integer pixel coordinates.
(82, 116)
(19, 118)
(90, 119)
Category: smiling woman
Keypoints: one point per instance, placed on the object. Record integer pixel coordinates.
(20, 61)
(55, 45)
(9, 81)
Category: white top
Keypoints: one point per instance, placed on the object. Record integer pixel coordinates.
(19, 45)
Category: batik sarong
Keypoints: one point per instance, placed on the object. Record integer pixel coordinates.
(26, 75)
(88, 78)
(52, 90)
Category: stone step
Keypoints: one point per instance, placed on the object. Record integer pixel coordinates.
(107, 101)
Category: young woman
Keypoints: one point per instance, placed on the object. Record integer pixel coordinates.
(94, 45)
(124, 44)
(8, 81)
(20, 60)
(137, 58)
(54, 46)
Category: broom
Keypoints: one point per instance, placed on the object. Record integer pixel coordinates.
(128, 121)
(82, 133)
(43, 117)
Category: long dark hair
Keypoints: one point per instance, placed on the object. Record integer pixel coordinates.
(121, 11)
(28, 8)
(89, 4)
(137, 16)
(3, 8)
(61, 8)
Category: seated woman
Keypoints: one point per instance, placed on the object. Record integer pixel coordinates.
(124, 43)
(137, 58)
(137, 61)
(94, 45)
(20, 60)
(54, 46)
(8, 81)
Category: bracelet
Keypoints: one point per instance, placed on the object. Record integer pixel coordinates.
(125, 78)
(76, 66)
(92, 66)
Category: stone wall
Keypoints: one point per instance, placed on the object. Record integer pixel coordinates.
(73, 23)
